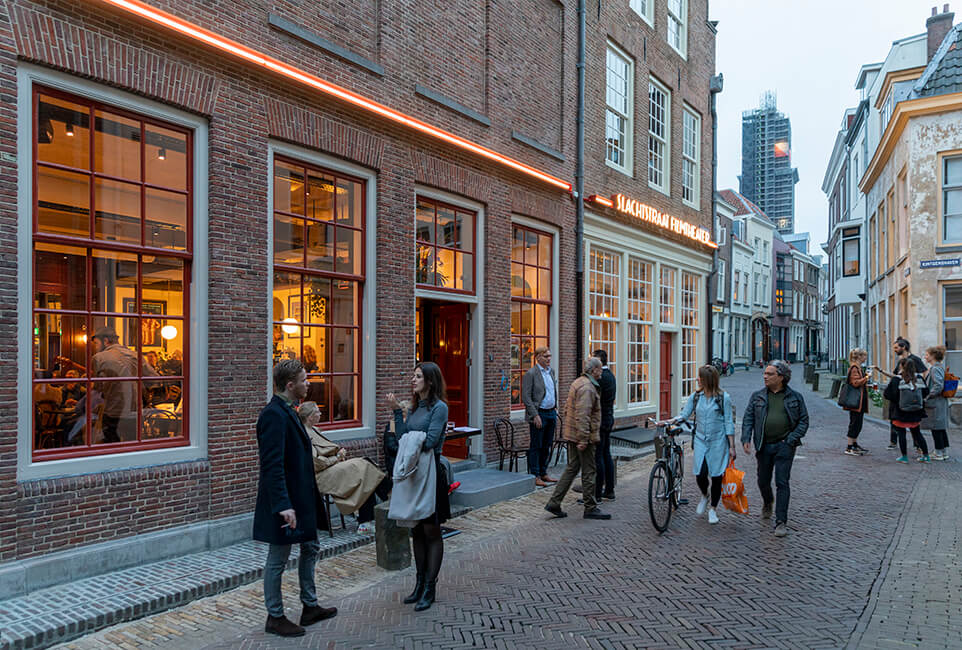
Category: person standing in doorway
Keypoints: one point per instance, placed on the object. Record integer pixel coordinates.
(857, 380)
(604, 465)
(539, 394)
(936, 406)
(903, 350)
(288, 505)
(775, 422)
(583, 418)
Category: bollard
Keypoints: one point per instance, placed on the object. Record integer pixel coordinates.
(392, 541)
(815, 382)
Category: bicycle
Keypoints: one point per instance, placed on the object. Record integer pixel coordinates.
(667, 474)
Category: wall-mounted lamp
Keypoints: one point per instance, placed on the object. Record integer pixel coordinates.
(290, 327)
(69, 128)
(162, 154)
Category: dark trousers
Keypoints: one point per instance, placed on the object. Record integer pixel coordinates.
(383, 490)
(539, 444)
(777, 456)
(941, 438)
(110, 426)
(917, 439)
(855, 420)
(894, 434)
(578, 461)
(701, 478)
(604, 466)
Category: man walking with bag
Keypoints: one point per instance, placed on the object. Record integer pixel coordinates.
(287, 500)
(774, 424)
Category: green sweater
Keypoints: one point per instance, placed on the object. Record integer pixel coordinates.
(777, 424)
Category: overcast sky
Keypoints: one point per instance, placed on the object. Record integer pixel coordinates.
(809, 52)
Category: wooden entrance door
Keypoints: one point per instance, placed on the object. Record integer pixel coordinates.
(664, 378)
(448, 343)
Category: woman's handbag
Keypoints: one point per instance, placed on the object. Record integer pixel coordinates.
(849, 397)
(733, 490)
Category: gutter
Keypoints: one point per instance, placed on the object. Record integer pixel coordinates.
(579, 191)
(714, 87)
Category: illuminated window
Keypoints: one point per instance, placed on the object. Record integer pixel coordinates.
(604, 275)
(112, 216)
(659, 120)
(445, 246)
(678, 25)
(690, 159)
(640, 298)
(619, 121)
(689, 333)
(319, 220)
(531, 296)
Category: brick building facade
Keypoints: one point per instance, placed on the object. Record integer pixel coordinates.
(227, 205)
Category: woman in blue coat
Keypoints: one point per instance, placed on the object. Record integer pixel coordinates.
(714, 444)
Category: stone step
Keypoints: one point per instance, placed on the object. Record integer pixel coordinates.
(634, 437)
(482, 487)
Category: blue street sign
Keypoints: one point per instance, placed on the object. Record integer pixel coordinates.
(930, 264)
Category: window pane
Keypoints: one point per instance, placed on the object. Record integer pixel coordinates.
(445, 268)
(116, 211)
(953, 302)
(320, 196)
(315, 351)
(515, 388)
(517, 279)
(342, 398)
(114, 280)
(344, 298)
(527, 353)
(343, 349)
(348, 251)
(287, 296)
(515, 342)
(530, 248)
(465, 279)
(164, 420)
(316, 307)
(953, 228)
(953, 336)
(544, 250)
(60, 277)
(59, 342)
(63, 202)
(527, 315)
(465, 231)
(117, 146)
(288, 188)
(425, 269)
(165, 156)
(56, 119)
(320, 246)
(116, 416)
(953, 171)
(953, 202)
(425, 222)
(530, 281)
(517, 245)
(447, 227)
(288, 240)
(541, 320)
(166, 223)
(850, 253)
(349, 203)
(544, 284)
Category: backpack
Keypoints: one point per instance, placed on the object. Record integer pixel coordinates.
(719, 403)
(950, 385)
(910, 397)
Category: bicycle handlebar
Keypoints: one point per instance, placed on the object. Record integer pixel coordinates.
(675, 429)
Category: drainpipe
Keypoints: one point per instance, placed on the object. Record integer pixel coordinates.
(579, 192)
(714, 87)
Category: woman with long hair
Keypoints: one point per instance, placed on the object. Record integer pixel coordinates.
(906, 416)
(430, 415)
(714, 443)
(936, 407)
(857, 379)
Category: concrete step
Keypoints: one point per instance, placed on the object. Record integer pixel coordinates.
(463, 465)
(631, 453)
(482, 487)
(634, 437)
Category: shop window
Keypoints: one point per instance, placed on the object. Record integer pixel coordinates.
(689, 332)
(667, 288)
(952, 199)
(659, 126)
(639, 312)
(604, 276)
(112, 267)
(531, 297)
(445, 246)
(619, 112)
(952, 316)
(319, 220)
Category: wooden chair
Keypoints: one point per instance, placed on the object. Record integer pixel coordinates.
(504, 434)
(47, 426)
(559, 442)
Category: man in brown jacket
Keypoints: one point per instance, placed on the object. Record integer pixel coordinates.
(583, 420)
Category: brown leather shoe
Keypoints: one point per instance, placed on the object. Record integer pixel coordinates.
(313, 613)
(548, 479)
(282, 627)
(539, 482)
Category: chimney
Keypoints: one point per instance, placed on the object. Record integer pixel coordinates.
(937, 26)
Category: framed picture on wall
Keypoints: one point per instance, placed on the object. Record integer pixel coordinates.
(294, 308)
(149, 327)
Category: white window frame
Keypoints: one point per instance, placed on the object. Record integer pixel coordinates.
(664, 140)
(27, 76)
(625, 113)
(721, 281)
(678, 19)
(645, 9)
(646, 325)
(691, 157)
(946, 188)
(722, 235)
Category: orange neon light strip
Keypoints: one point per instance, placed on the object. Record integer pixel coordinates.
(595, 198)
(190, 30)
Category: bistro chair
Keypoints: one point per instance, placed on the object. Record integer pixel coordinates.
(329, 504)
(559, 442)
(47, 423)
(504, 434)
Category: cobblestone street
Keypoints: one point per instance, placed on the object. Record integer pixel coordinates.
(871, 561)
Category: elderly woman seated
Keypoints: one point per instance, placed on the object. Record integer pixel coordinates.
(351, 482)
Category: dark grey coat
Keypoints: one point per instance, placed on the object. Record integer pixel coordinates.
(936, 406)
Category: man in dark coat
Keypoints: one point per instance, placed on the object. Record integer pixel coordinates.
(604, 465)
(287, 500)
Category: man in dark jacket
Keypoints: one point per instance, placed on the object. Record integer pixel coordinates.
(604, 466)
(287, 500)
(903, 350)
(773, 426)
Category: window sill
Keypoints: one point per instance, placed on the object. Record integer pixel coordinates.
(657, 188)
(949, 248)
(696, 206)
(627, 171)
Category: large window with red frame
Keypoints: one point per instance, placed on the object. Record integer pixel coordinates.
(445, 246)
(531, 254)
(319, 218)
(111, 278)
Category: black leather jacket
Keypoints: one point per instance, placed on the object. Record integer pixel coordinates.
(753, 422)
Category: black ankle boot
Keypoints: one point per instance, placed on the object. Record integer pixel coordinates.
(427, 598)
(415, 595)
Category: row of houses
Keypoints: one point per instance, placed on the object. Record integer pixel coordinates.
(193, 191)
(894, 188)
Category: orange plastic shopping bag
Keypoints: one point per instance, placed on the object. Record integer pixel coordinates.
(733, 490)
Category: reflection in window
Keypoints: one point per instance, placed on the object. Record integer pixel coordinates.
(318, 282)
(109, 336)
(689, 332)
(531, 263)
(604, 277)
(444, 254)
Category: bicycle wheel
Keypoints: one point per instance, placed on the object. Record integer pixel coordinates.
(659, 496)
(678, 473)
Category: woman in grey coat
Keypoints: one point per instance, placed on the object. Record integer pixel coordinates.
(936, 406)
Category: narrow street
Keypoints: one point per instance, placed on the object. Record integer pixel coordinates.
(871, 561)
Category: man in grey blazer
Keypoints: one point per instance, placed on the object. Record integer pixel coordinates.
(539, 394)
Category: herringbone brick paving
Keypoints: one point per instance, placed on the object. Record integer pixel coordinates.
(515, 578)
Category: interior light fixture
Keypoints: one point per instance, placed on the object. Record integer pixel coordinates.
(162, 154)
(69, 127)
(168, 332)
(45, 130)
(290, 326)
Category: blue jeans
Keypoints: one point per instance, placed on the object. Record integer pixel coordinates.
(274, 569)
(777, 456)
(539, 445)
